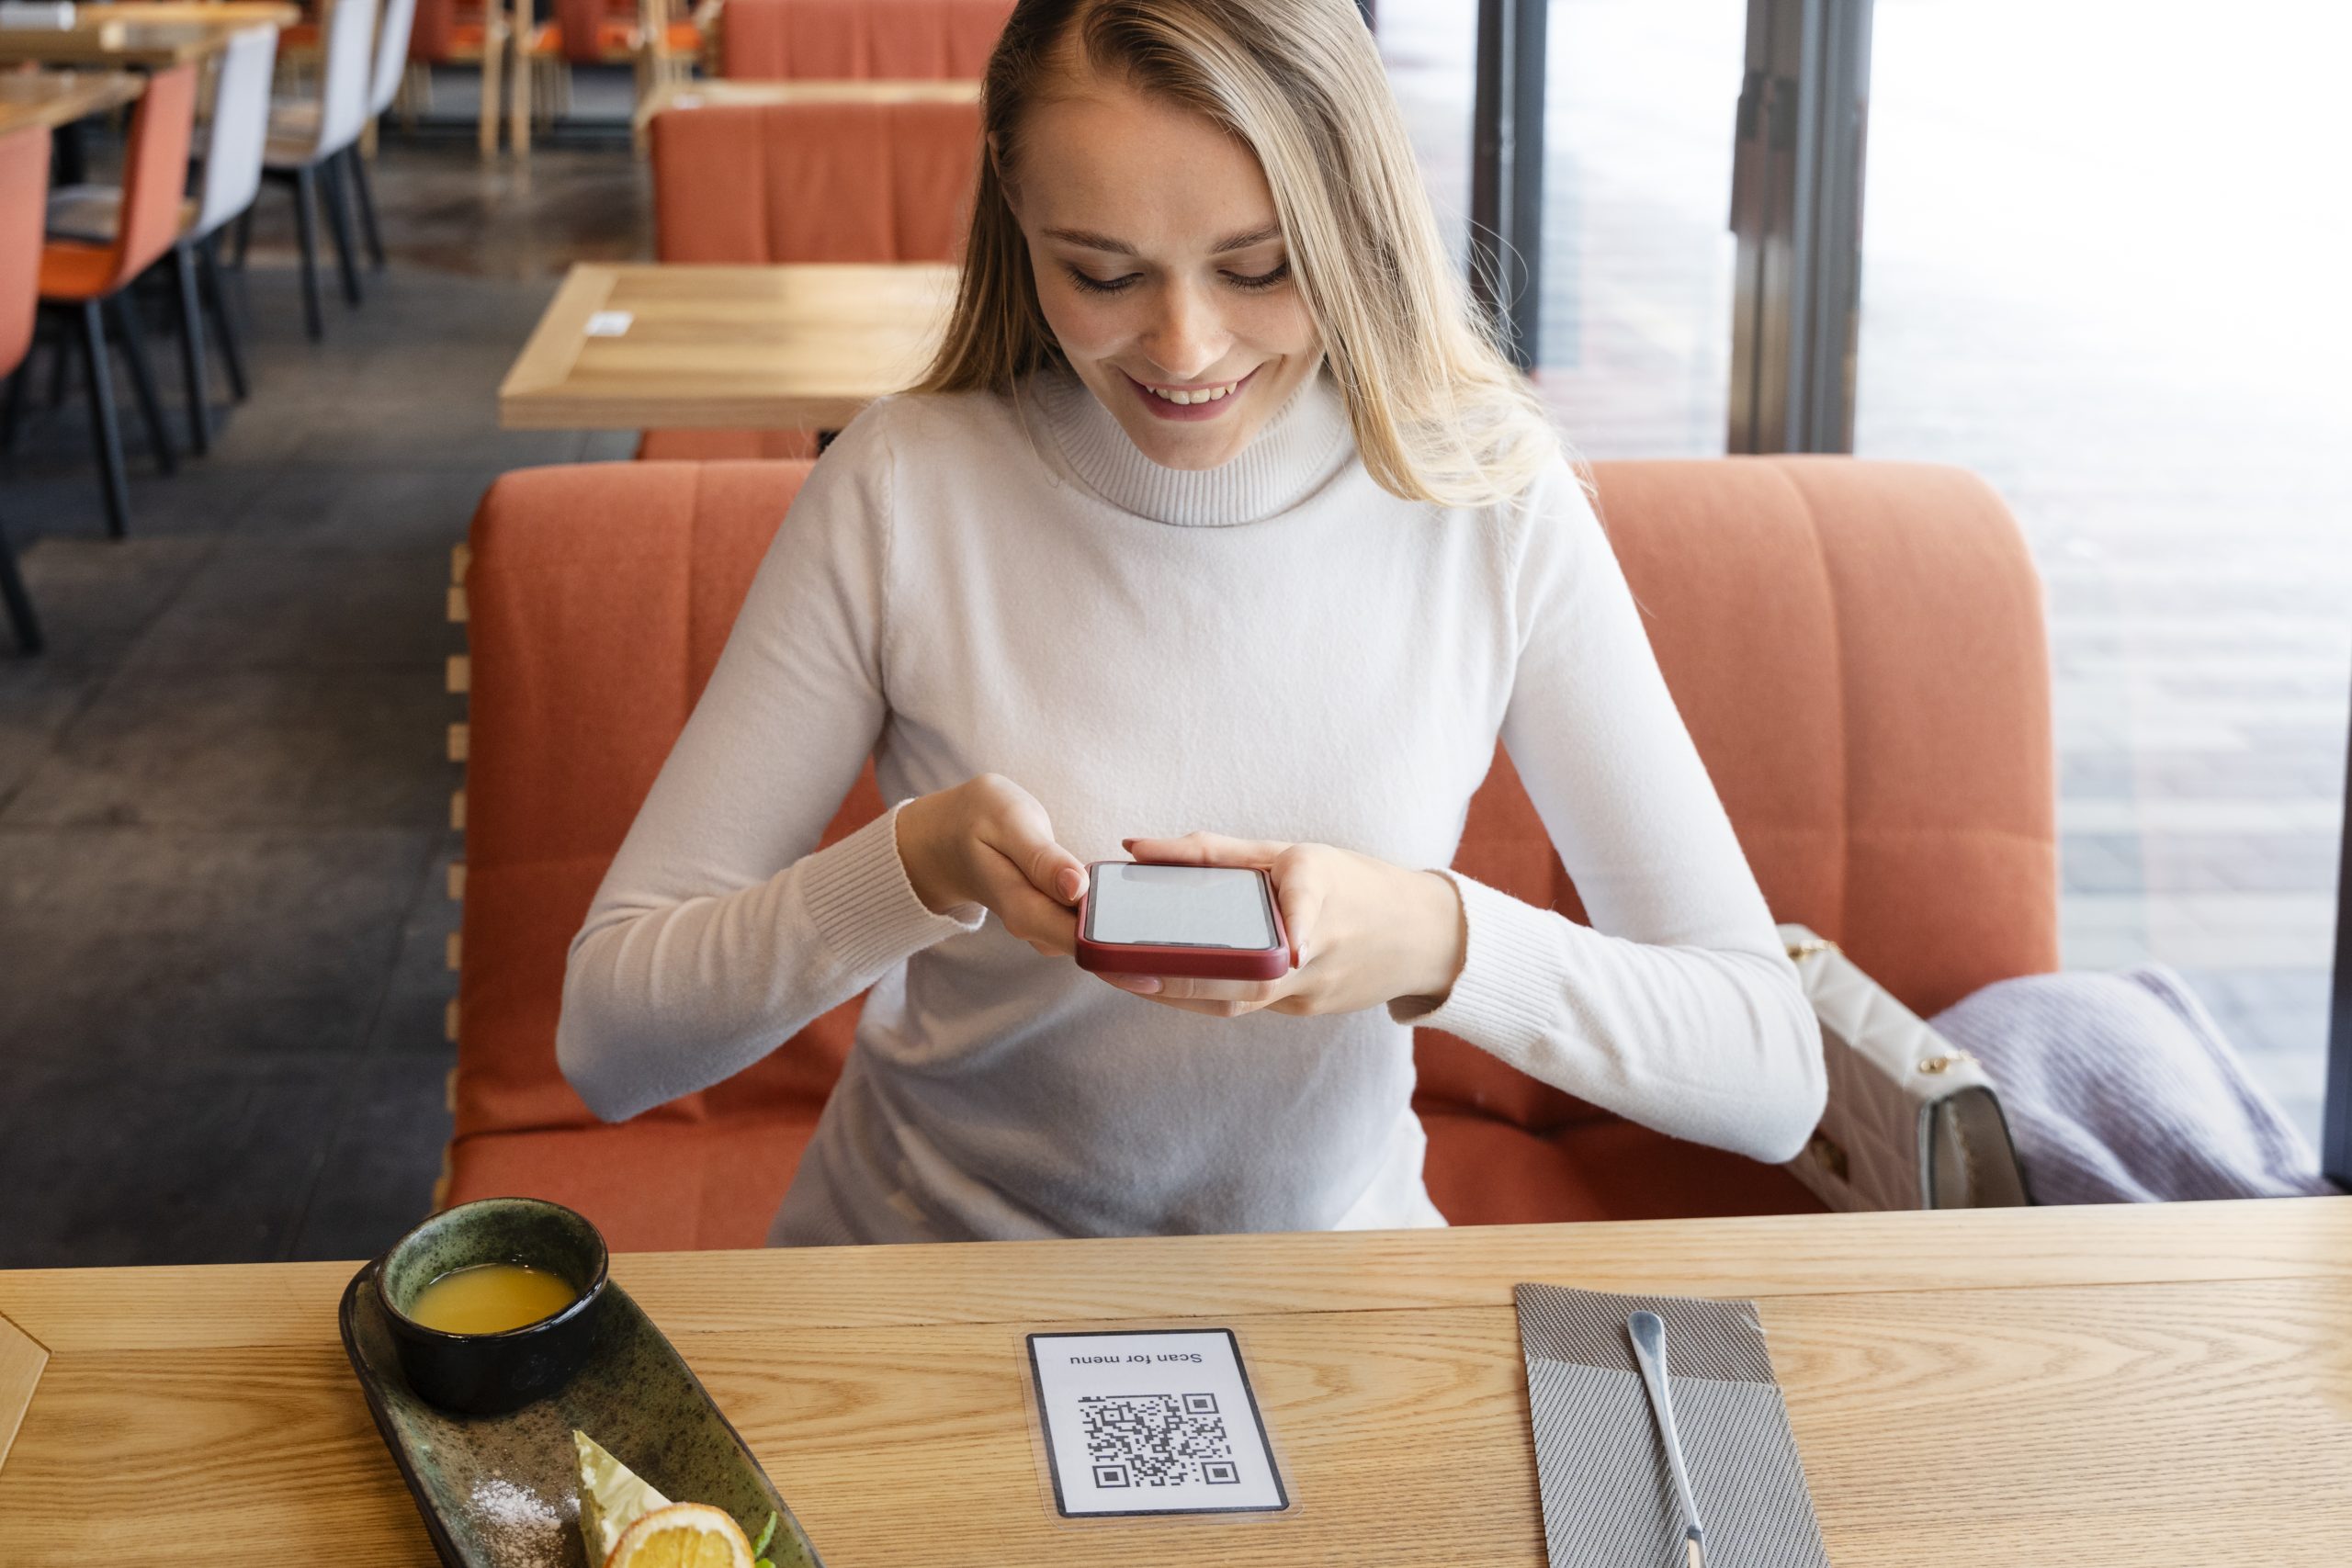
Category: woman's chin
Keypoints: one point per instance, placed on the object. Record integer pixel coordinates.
(1189, 446)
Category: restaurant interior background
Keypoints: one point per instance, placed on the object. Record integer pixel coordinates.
(2099, 264)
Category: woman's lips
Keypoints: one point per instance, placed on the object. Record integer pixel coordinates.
(1209, 407)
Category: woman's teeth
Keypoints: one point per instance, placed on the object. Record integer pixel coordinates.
(1198, 395)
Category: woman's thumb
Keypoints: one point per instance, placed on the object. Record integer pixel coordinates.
(1056, 873)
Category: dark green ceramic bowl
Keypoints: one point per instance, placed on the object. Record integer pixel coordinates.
(490, 1374)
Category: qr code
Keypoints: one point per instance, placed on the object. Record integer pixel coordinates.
(1157, 1440)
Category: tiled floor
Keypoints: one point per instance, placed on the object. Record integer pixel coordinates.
(224, 790)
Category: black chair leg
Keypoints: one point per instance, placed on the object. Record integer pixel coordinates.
(104, 424)
(346, 253)
(59, 368)
(367, 194)
(232, 357)
(244, 235)
(12, 412)
(19, 601)
(306, 229)
(199, 385)
(142, 381)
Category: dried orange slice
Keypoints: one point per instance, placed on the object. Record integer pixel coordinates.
(684, 1535)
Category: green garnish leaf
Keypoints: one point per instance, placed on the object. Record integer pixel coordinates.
(761, 1545)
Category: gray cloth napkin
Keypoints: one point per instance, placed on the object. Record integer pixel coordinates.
(1607, 1498)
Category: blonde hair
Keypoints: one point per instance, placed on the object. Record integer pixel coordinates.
(1439, 414)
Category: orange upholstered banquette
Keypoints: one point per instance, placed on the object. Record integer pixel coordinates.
(748, 184)
(1857, 648)
(897, 40)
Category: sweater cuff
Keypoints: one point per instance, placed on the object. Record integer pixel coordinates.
(1499, 1001)
(859, 900)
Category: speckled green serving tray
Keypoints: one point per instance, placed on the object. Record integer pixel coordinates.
(502, 1491)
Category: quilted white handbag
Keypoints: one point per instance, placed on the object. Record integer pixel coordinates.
(1912, 1123)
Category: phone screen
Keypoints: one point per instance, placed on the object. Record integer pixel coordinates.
(1180, 906)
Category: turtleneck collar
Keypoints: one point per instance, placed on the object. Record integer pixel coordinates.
(1306, 442)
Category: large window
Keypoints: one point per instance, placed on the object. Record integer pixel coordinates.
(2104, 261)
(1431, 48)
(1634, 346)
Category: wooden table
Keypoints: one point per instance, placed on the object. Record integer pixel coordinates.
(231, 13)
(726, 348)
(97, 39)
(2132, 1387)
(723, 90)
(52, 99)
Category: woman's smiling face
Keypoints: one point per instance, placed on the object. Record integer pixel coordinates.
(1161, 269)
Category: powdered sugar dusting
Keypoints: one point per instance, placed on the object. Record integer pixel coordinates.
(525, 1530)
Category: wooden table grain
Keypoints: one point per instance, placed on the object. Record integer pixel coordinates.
(229, 14)
(2145, 1386)
(59, 97)
(147, 37)
(725, 91)
(725, 347)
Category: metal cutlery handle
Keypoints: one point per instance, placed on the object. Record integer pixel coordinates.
(1647, 1332)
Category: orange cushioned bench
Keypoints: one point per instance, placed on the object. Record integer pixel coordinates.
(753, 185)
(1857, 649)
(895, 40)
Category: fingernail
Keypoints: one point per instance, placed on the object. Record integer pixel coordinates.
(1071, 881)
(1145, 984)
(1127, 843)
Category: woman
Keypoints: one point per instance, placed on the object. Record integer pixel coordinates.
(1216, 510)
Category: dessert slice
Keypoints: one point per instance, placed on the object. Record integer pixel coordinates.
(612, 1498)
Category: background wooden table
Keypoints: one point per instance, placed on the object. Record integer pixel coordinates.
(231, 14)
(717, 91)
(97, 39)
(59, 97)
(727, 347)
(2131, 1387)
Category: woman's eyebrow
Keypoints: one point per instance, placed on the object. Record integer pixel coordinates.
(1086, 239)
(1244, 241)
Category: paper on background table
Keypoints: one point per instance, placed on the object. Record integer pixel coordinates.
(1600, 1464)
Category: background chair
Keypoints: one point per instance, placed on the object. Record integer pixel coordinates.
(24, 181)
(387, 65)
(305, 146)
(230, 180)
(1857, 648)
(753, 185)
(88, 280)
(649, 35)
(446, 32)
(878, 39)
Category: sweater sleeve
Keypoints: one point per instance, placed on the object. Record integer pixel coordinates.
(720, 930)
(1678, 1007)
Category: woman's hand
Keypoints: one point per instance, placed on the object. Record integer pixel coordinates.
(1362, 932)
(988, 841)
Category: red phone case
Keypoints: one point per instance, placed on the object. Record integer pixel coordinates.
(1197, 963)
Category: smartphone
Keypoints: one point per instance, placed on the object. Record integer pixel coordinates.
(1218, 923)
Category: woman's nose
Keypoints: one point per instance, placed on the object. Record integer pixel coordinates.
(1187, 339)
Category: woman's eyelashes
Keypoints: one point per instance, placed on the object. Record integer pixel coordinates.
(1093, 285)
(1252, 283)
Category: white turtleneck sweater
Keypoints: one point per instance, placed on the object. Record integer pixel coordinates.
(1275, 649)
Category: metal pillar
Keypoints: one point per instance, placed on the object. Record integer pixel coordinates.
(1796, 207)
(2335, 1123)
(1506, 170)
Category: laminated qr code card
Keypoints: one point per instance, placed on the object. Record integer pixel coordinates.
(1152, 1424)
